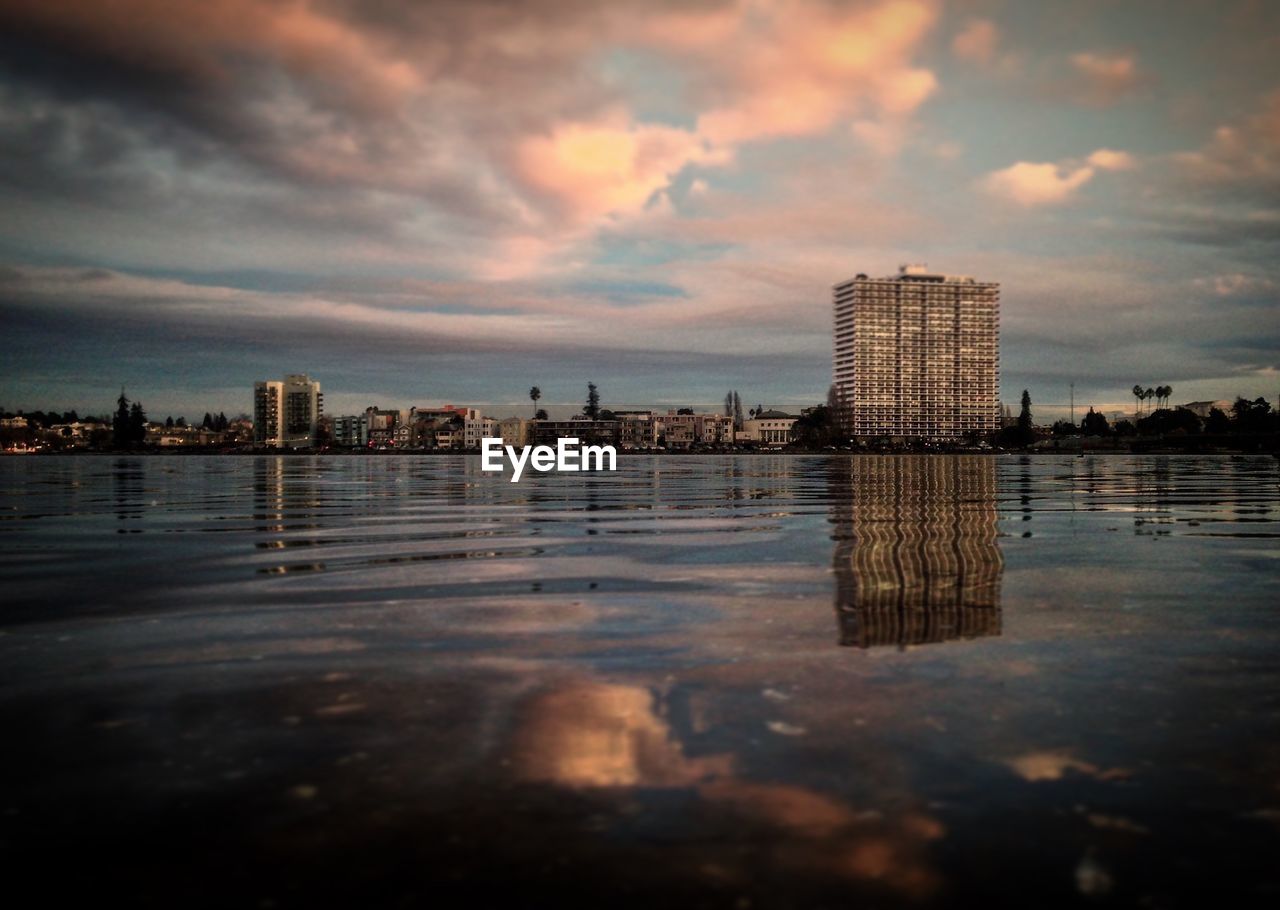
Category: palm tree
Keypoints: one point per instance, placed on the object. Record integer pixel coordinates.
(1151, 393)
(1139, 395)
(1168, 393)
(535, 393)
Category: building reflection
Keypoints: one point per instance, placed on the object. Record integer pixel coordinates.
(916, 560)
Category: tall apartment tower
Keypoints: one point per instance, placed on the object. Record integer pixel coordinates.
(917, 355)
(287, 413)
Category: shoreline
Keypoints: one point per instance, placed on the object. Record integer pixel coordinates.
(1260, 450)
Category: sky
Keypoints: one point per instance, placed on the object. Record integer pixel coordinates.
(450, 202)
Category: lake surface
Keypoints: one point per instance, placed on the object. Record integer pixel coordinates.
(707, 681)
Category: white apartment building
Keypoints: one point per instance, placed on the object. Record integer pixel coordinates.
(917, 355)
(475, 427)
(287, 413)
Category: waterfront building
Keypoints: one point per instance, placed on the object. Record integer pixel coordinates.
(287, 413)
(684, 430)
(382, 424)
(514, 431)
(769, 428)
(916, 355)
(351, 431)
(1203, 409)
(637, 429)
(475, 427)
(587, 432)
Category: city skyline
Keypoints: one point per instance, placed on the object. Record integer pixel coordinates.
(450, 204)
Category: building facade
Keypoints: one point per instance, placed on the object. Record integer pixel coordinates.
(286, 414)
(637, 429)
(351, 432)
(681, 431)
(769, 428)
(917, 356)
(587, 432)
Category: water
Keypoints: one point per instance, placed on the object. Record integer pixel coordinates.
(755, 681)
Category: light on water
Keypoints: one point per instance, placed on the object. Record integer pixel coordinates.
(730, 681)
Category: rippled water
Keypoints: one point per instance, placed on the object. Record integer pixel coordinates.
(755, 681)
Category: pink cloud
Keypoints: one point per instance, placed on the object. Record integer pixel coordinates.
(1112, 160)
(976, 43)
(1104, 79)
(607, 168)
(1032, 184)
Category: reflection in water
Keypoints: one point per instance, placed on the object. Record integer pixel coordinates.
(596, 735)
(587, 735)
(916, 560)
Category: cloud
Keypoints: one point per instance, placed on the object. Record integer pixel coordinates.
(977, 42)
(796, 69)
(608, 168)
(1045, 183)
(1243, 154)
(1112, 160)
(485, 120)
(1031, 184)
(1102, 80)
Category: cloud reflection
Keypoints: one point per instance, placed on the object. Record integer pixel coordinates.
(585, 734)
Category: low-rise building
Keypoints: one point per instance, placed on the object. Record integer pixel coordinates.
(351, 431)
(1202, 408)
(769, 428)
(475, 427)
(682, 430)
(637, 429)
(514, 431)
(587, 432)
(382, 424)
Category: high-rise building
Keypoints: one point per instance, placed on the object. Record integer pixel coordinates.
(286, 414)
(917, 355)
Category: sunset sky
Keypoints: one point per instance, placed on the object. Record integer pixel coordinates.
(420, 203)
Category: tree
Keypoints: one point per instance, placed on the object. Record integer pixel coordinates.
(168, 422)
(1149, 393)
(120, 423)
(1065, 428)
(534, 394)
(814, 430)
(728, 404)
(181, 422)
(1140, 395)
(1251, 416)
(207, 423)
(540, 415)
(1218, 422)
(1178, 421)
(137, 424)
(592, 407)
(221, 425)
(737, 411)
(1095, 424)
(688, 411)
